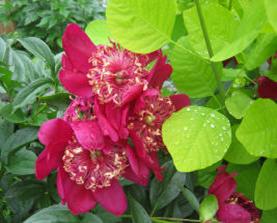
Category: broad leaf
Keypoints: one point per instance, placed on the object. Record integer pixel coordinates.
(220, 31)
(208, 208)
(98, 32)
(269, 216)
(238, 103)
(53, 214)
(271, 9)
(196, 137)
(258, 130)
(141, 26)
(22, 162)
(91, 218)
(266, 186)
(40, 49)
(252, 22)
(192, 75)
(17, 140)
(264, 47)
(237, 154)
(28, 94)
(138, 212)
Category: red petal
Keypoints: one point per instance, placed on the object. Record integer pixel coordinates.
(131, 94)
(138, 179)
(88, 134)
(104, 123)
(78, 47)
(132, 159)
(160, 73)
(75, 82)
(55, 130)
(267, 88)
(232, 213)
(180, 101)
(223, 186)
(78, 199)
(112, 198)
(49, 159)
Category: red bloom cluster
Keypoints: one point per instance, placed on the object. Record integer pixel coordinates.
(234, 207)
(112, 129)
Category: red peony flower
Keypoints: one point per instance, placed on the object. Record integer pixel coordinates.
(233, 206)
(267, 88)
(111, 73)
(145, 122)
(88, 163)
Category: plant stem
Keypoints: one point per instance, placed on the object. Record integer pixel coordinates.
(209, 46)
(166, 218)
(230, 4)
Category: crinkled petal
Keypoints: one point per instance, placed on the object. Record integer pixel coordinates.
(55, 130)
(112, 198)
(104, 123)
(75, 82)
(267, 88)
(131, 94)
(78, 47)
(49, 159)
(132, 159)
(180, 101)
(233, 213)
(88, 134)
(138, 179)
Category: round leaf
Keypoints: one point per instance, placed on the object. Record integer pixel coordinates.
(258, 130)
(237, 153)
(196, 137)
(141, 26)
(237, 104)
(266, 186)
(271, 9)
(98, 32)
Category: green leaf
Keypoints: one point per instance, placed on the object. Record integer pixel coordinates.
(53, 214)
(39, 49)
(28, 94)
(17, 140)
(208, 208)
(196, 137)
(246, 177)
(266, 186)
(237, 154)
(192, 74)
(191, 198)
(141, 26)
(98, 32)
(269, 216)
(171, 191)
(258, 130)
(59, 100)
(138, 212)
(22, 162)
(271, 9)
(238, 103)
(220, 30)
(264, 47)
(251, 24)
(91, 218)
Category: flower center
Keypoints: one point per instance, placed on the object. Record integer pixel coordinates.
(149, 119)
(94, 169)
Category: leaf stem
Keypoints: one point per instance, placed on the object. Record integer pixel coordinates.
(230, 4)
(166, 218)
(209, 46)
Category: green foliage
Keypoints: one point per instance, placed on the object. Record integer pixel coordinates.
(98, 32)
(258, 129)
(47, 19)
(196, 137)
(148, 27)
(208, 208)
(266, 187)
